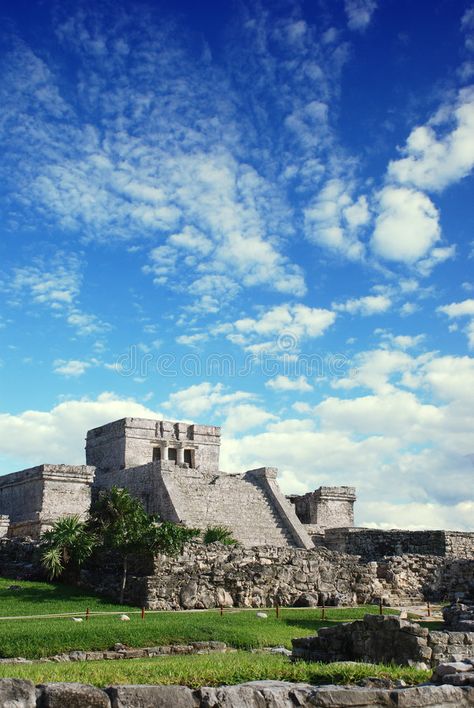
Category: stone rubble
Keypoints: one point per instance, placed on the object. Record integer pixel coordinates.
(385, 639)
(122, 652)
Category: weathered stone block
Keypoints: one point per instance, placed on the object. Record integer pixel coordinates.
(72, 695)
(152, 697)
(15, 693)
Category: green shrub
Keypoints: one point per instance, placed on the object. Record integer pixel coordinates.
(219, 533)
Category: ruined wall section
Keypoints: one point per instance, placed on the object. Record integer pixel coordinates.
(384, 640)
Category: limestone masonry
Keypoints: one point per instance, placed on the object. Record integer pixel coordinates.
(173, 468)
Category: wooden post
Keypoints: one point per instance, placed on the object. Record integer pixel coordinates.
(87, 614)
(429, 609)
(277, 610)
(323, 612)
(222, 609)
(143, 613)
(380, 607)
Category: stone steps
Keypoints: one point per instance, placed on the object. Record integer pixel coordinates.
(236, 503)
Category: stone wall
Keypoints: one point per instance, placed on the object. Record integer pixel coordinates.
(147, 483)
(34, 498)
(208, 576)
(256, 694)
(374, 544)
(384, 640)
(418, 578)
(133, 442)
(20, 559)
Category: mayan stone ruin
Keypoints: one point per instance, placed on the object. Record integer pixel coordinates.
(173, 468)
(301, 550)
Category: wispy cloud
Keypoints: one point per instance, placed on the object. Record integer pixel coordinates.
(359, 13)
(55, 284)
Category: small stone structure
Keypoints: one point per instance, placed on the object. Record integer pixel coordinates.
(34, 498)
(384, 639)
(255, 694)
(326, 507)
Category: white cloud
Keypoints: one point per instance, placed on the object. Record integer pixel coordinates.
(192, 240)
(73, 367)
(371, 440)
(461, 309)
(333, 220)
(376, 370)
(416, 515)
(458, 309)
(245, 416)
(55, 284)
(201, 399)
(393, 414)
(451, 378)
(284, 383)
(407, 225)
(359, 13)
(57, 436)
(368, 305)
(191, 340)
(299, 321)
(433, 161)
(403, 341)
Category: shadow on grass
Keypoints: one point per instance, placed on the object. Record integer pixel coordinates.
(45, 595)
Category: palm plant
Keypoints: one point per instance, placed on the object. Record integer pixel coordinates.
(221, 534)
(67, 545)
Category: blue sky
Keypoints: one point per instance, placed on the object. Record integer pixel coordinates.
(252, 214)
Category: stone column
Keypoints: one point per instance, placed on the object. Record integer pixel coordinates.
(180, 455)
(164, 450)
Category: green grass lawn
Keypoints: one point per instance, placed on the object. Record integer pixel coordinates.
(37, 598)
(206, 670)
(35, 638)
